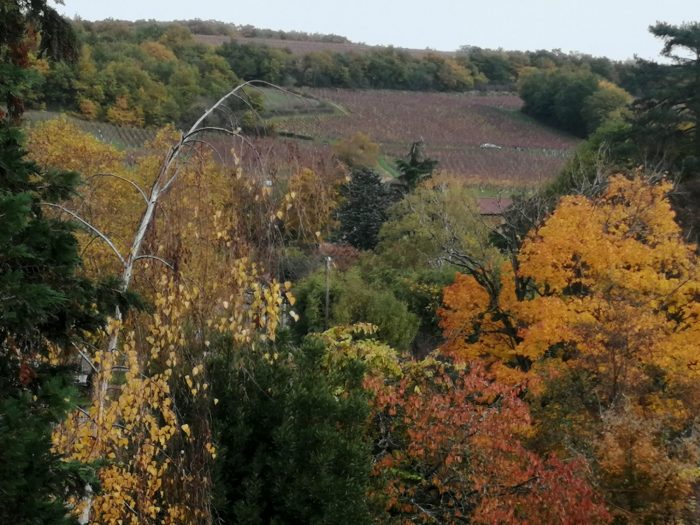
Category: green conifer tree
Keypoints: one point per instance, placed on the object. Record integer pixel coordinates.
(417, 167)
(292, 435)
(364, 209)
(44, 301)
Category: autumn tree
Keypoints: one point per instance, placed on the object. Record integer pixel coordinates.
(357, 152)
(611, 310)
(609, 102)
(200, 270)
(438, 219)
(449, 448)
(415, 256)
(22, 21)
(313, 199)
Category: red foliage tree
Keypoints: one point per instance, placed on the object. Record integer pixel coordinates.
(450, 450)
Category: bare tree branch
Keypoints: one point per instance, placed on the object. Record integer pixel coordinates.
(156, 258)
(90, 227)
(131, 182)
(86, 358)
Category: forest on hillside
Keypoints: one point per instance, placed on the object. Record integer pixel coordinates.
(202, 330)
(150, 73)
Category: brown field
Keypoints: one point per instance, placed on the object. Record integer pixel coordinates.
(453, 126)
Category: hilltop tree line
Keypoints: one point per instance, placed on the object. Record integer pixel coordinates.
(439, 368)
(657, 131)
(150, 73)
(217, 28)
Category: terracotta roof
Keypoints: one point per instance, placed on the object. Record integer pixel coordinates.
(493, 205)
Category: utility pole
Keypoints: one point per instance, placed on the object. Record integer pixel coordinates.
(328, 291)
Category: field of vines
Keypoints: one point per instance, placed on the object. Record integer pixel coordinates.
(124, 137)
(483, 137)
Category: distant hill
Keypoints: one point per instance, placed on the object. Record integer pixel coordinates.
(302, 47)
(483, 138)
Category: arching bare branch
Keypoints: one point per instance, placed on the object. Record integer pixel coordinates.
(155, 258)
(90, 227)
(234, 94)
(204, 129)
(131, 182)
(164, 181)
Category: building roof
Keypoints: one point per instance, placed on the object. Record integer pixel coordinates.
(493, 205)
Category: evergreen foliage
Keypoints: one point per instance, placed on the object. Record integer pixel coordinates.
(416, 167)
(33, 480)
(292, 435)
(44, 301)
(364, 209)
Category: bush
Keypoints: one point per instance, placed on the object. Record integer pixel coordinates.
(352, 300)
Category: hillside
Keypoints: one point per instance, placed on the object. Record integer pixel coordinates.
(123, 137)
(303, 47)
(484, 138)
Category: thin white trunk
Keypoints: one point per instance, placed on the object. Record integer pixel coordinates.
(159, 188)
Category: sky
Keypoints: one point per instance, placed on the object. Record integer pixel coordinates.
(617, 29)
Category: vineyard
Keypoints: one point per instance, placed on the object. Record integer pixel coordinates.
(124, 137)
(482, 137)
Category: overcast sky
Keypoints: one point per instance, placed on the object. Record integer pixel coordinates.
(612, 28)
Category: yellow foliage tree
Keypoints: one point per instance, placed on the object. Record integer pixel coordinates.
(207, 235)
(612, 301)
(357, 151)
(122, 113)
(312, 201)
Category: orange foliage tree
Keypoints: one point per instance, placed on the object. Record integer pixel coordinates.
(448, 444)
(606, 338)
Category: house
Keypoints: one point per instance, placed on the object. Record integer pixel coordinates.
(493, 206)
